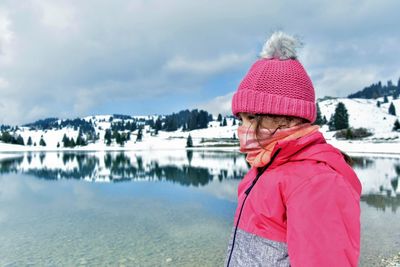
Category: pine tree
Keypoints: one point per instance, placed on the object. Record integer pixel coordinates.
(6, 137)
(219, 117)
(396, 126)
(392, 109)
(29, 143)
(224, 123)
(331, 123)
(107, 137)
(42, 142)
(340, 119)
(139, 135)
(118, 138)
(189, 142)
(318, 120)
(385, 99)
(65, 141)
(20, 140)
(80, 141)
(234, 122)
(72, 143)
(158, 125)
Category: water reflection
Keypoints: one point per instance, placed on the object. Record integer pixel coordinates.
(123, 166)
(379, 176)
(187, 213)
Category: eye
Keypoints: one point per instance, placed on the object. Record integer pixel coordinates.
(251, 117)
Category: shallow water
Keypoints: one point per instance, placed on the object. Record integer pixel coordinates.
(160, 208)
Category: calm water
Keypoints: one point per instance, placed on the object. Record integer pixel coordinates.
(159, 208)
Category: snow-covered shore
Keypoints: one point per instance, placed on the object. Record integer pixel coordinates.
(362, 113)
(391, 149)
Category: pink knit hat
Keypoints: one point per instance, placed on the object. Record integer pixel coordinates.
(277, 83)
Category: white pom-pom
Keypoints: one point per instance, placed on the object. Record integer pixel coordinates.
(280, 46)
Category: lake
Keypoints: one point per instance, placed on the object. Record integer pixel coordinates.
(152, 208)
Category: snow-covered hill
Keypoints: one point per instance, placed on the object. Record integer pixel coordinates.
(365, 113)
(362, 113)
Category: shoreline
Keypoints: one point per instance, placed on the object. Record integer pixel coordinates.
(352, 151)
(351, 147)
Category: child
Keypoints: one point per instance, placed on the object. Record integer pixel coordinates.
(299, 204)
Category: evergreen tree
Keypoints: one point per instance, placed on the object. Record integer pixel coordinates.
(29, 143)
(118, 138)
(72, 142)
(80, 141)
(20, 140)
(392, 109)
(65, 141)
(158, 124)
(318, 120)
(189, 141)
(107, 137)
(341, 117)
(331, 123)
(396, 126)
(378, 104)
(234, 122)
(224, 122)
(219, 117)
(202, 119)
(6, 137)
(42, 142)
(139, 135)
(385, 99)
(325, 121)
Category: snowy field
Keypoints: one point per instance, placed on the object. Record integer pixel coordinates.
(362, 113)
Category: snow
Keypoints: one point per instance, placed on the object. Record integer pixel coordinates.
(362, 113)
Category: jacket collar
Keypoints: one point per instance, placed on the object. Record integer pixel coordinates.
(314, 147)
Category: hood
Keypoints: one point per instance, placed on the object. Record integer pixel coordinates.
(313, 146)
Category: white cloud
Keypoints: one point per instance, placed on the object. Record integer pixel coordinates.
(58, 15)
(3, 83)
(69, 57)
(341, 81)
(218, 105)
(6, 38)
(207, 66)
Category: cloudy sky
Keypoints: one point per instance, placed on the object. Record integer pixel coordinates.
(67, 58)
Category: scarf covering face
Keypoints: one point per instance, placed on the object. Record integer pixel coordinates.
(259, 156)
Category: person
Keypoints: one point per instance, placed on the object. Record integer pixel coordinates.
(299, 203)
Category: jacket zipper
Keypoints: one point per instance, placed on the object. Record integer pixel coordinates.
(247, 192)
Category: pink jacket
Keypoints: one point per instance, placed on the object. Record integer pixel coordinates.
(303, 211)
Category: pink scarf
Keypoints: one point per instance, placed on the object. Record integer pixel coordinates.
(259, 156)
